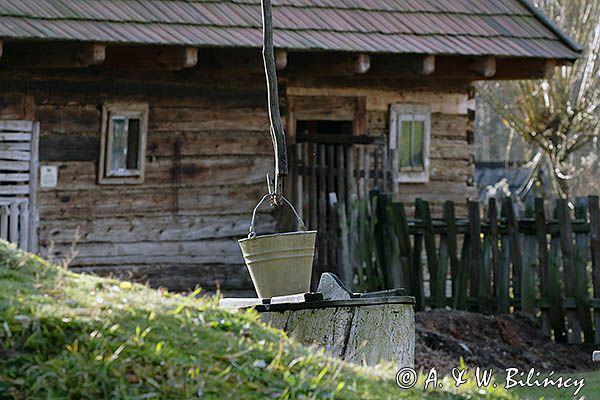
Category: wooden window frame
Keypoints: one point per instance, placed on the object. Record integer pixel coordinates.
(410, 112)
(127, 110)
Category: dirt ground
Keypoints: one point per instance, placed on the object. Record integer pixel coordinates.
(498, 342)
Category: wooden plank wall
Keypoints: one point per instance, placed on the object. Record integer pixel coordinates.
(207, 156)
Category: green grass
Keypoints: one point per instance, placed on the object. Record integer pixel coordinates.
(64, 335)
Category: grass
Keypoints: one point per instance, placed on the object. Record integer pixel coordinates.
(590, 391)
(64, 335)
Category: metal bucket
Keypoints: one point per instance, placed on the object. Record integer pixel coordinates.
(279, 264)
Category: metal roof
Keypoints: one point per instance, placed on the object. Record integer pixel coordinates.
(449, 27)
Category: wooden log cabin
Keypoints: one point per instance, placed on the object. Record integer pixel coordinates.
(146, 120)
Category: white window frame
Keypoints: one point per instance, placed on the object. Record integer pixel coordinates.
(129, 111)
(410, 112)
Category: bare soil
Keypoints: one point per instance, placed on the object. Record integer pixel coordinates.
(497, 341)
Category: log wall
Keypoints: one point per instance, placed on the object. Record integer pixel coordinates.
(207, 155)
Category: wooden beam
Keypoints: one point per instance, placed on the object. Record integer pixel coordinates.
(394, 66)
(525, 68)
(484, 66)
(94, 54)
(151, 57)
(54, 55)
(281, 59)
(362, 63)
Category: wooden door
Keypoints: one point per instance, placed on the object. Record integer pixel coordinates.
(19, 218)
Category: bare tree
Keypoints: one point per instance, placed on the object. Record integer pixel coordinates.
(560, 116)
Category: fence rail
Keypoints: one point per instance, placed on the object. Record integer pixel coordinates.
(545, 264)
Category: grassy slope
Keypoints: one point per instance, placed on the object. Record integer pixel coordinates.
(64, 335)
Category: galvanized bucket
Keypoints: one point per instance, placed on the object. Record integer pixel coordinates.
(279, 264)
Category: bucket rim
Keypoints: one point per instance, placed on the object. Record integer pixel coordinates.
(278, 234)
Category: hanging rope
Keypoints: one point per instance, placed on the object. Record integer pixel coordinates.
(277, 132)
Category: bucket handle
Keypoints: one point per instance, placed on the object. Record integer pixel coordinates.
(252, 232)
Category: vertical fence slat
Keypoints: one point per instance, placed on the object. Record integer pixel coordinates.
(475, 264)
(450, 218)
(555, 299)
(492, 242)
(594, 208)
(516, 253)
(24, 225)
(581, 258)
(528, 275)
(14, 223)
(568, 254)
(462, 279)
(4, 222)
(503, 278)
(417, 252)
(430, 250)
(542, 251)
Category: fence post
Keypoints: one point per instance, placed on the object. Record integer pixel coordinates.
(516, 253)
(492, 242)
(528, 273)
(449, 217)
(542, 251)
(581, 257)
(594, 207)
(568, 253)
(555, 299)
(410, 275)
(417, 250)
(430, 250)
(503, 278)
(477, 269)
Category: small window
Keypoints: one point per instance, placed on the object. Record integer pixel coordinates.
(123, 143)
(409, 142)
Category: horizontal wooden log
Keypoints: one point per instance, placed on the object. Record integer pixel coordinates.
(14, 165)
(450, 170)
(14, 177)
(442, 148)
(179, 277)
(153, 227)
(201, 119)
(14, 137)
(14, 155)
(69, 147)
(71, 119)
(112, 201)
(201, 143)
(15, 146)
(218, 251)
(9, 190)
(166, 172)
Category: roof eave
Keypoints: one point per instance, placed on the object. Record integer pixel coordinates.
(552, 26)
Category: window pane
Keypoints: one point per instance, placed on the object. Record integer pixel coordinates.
(119, 144)
(133, 143)
(404, 144)
(417, 156)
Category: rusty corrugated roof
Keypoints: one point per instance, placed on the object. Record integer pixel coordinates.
(452, 27)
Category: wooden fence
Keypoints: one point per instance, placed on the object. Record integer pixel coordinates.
(546, 264)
